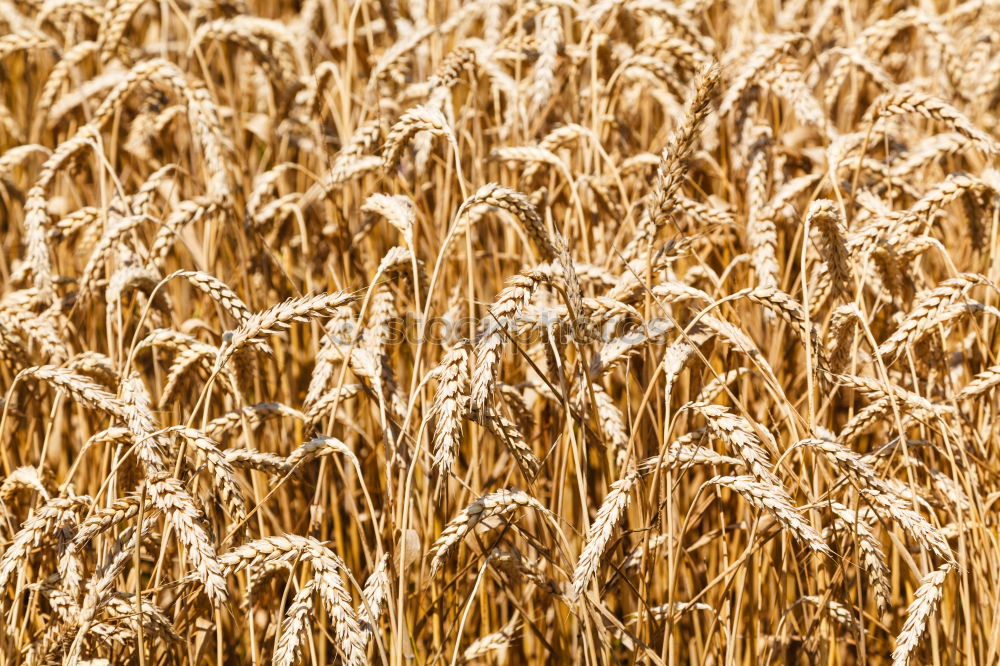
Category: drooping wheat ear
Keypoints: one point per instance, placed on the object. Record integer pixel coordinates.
(762, 234)
(610, 513)
(327, 567)
(297, 622)
(773, 499)
(218, 291)
(219, 468)
(788, 309)
(502, 322)
(925, 601)
(452, 384)
(251, 415)
(110, 239)
(557, 138)
(36, 217)
(682, 451)
(494, 642)
(338, 332)
(103, 519)
(494, 195)
(787, 80)
(187, 212)
(278, 317)
(928, 106)
(738, 435)
(271, 41)
(621, 348)
(270, 463)
(23, 40)
(508, 433)
(46, 523)
(169, 496)
(151, 447)
(840, 336)
(23, 478)
(95, 365)
(912, 402)
(85, 391)
(320, 446)
(15, 156)
(201, 110)
(850, 462)
(834, 610)
(928, 311)
(498, 503)
(39, 329)
(982, 383)
(864, 419)
(887, 503)
(826, 218)
(375, 595)
(871, 553)
(550, 31)
(418, 119)
(397, 211)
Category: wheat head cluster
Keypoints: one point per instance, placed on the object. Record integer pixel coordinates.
(500, 332)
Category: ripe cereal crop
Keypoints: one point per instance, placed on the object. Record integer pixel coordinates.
(437, 332)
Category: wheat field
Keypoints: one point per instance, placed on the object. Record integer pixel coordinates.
(499, 332)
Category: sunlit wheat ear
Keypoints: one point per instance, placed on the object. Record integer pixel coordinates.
(509, 434)
(270, 463)
(452, 384)
(168, 495)
(317, 447)
(825, 217)
(501, 323)
(685, 451)
(608, 516)
(871, 554)
(773, 499)
(120, 511)
(327, 567)
(674, 159)
(497, 641)
(297, 622)
(397, 211)
(43, 526)
(417, 119)
(925, 602)
(739, 435)
(913, 101)
(762, 235)
(279, 317)
(81, 389)
(550, 30)
(499, 503)
(219, 292)
(21, 479)
(888, 504)
(928, 311)
(375, 594)
(36, 219)
(219, 468)
(983, 382)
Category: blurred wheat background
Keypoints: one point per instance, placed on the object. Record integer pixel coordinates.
(499, 332)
